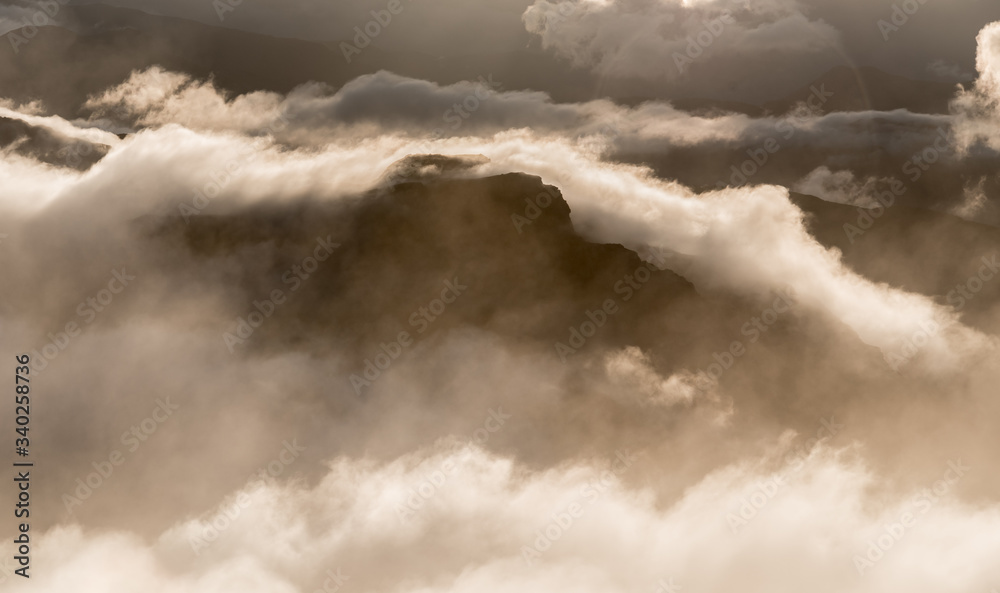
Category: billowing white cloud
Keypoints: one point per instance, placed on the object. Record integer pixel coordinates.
(630, 371)
(458, 519)
(662, 39)
(841, 187)
(155, 96)
(372, 104)
(750, 240)
(979, 107)
(384, 103)
(76, 131)
(974, 201)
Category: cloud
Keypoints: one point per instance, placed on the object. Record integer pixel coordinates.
(57, 125)
(974, 201)
(840, 187)
(155, 96)
(259, 160)
(629, 369)
(486, 523)
(661, 39)
(13, 17)
(385, 104)
(750, 240)
(943, 69)
(375, 103)
(978, 108)
(653, 132)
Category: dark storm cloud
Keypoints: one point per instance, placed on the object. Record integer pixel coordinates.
(931, 39)
(438, 27)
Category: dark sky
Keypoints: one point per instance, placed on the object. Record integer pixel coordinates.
(938, 31)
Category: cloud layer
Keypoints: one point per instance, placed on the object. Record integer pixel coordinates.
(632, 383)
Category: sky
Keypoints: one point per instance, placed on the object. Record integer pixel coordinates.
(723, 320)
(850, 30)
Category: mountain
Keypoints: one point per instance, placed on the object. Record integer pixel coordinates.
(399, 246)
(48, 146)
